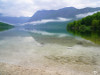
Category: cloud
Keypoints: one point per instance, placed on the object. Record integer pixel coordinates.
(17, 7)
(29, 7)
(59, 19)
(85, 14)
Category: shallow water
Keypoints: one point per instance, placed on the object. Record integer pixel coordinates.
(51, 51)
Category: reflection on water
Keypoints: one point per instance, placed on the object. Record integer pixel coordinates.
(62, 39)
(4, 28)
(93, 36)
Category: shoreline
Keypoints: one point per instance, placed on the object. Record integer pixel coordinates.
(10, 69)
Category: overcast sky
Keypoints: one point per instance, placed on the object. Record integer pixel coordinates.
(28, 7)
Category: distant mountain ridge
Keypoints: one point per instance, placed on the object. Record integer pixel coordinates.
(67, 12)
(13, 20)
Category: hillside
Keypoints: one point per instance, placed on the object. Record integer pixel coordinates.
(4, 26)
(87, 24)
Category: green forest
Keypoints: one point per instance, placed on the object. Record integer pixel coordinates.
(4, 26)
(88, 27)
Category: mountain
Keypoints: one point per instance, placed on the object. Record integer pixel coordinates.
(68, 12)
(13, 20)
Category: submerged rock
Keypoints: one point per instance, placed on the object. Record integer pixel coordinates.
(80, 43)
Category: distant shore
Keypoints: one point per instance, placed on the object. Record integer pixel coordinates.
(5, 26)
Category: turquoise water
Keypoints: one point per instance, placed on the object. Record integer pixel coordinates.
(53, 27)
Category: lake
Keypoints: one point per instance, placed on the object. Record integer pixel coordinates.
(49, 49)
